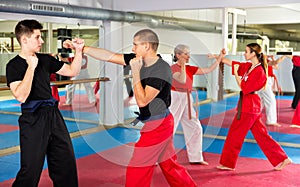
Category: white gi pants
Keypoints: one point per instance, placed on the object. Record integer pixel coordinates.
(71, 87)
(192, 128)
(268, 101)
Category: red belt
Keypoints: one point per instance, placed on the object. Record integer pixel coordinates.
(276, 84)
(181, 90)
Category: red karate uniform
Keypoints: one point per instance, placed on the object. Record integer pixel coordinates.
(296, 116)
(250, 120)
(190, 72)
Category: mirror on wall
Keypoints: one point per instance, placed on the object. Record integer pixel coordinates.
(52, 33)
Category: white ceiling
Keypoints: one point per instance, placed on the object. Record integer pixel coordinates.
(267, 12)
(258, 11)
(159, 5)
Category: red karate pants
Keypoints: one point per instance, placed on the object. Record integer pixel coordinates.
(156, 145)
(236, 135)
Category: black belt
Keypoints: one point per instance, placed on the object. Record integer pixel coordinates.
(149, 118)
(239, 111)
(33, 105)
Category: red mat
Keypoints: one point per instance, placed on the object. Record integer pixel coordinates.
(8, 128)
(95, 171)
(285, 115)
(80, 103)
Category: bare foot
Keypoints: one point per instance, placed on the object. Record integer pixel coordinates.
(204, 163)
(274, 124)
(66, 104)
(199, 163)
(221, 167)
(283, 164)
(94, 103)
(295, 126)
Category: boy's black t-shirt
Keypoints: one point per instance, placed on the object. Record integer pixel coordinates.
(40, 90)
(158, 76)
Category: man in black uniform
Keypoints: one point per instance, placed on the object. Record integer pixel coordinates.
(43, 131)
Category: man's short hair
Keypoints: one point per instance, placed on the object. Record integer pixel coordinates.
(26, 27)
(147, 35)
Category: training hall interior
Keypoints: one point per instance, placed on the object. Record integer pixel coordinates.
(102, 128)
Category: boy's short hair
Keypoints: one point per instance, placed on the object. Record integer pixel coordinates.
(26, 27)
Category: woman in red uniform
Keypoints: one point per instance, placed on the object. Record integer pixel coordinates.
(251, 77)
